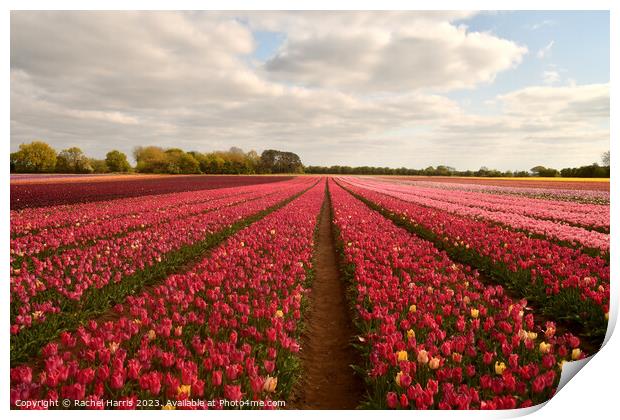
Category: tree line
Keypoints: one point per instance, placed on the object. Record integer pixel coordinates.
(40, 157)
(589, 171)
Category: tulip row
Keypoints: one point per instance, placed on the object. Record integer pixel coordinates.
(80, 282)
(505, 214)
(44, 192)
(431, 334)
(565, 283)
(227, 328)
(590, 216)
(72, 272)
(144, 215)
(32, 220)
(571, 195)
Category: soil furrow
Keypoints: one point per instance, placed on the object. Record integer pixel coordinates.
(328, 381)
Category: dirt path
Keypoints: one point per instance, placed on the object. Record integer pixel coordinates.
(327, 382)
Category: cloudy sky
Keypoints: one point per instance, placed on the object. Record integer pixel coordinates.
(507, 90)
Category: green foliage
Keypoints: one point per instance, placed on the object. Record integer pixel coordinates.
(277, 162)
(34, 157)
(99, 166)
(151, 159)
(180, 162)
(589, 171)
(74, 161)
(545, 172)
(592, 171)
(234, 161)
(175, 161)
(117, 161)
(39, 157)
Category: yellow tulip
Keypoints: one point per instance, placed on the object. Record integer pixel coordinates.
(500, 368)
(434, 363)
(184, 389)
(168, 407)
(474, 313)
(410, 334)
(398, 376)
(402, 355)
(544, 347)
(576, 354)
(279, 313)
(413, 308)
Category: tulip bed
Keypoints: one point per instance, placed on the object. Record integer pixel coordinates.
(226, 328)
(589, 215)
(80, 224)
(52, 193)
(580, 192)
(44, 220)
(61, 289)
(575, 224)
(431, 334)
(463, 296)
(565, 283)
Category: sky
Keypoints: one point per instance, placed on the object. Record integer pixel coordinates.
(506, 90)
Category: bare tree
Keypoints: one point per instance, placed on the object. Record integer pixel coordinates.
(605, 158)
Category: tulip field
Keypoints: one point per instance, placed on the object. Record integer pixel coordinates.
(198, 293)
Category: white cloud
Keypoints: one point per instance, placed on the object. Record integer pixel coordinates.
(388, 51)
(582, 102)
(556, 126)
(551, 76)
(545, 51)
(542, 24)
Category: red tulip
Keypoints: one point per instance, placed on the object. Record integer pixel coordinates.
(392, 400)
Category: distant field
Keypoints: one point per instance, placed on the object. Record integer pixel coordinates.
(53, 178)
(45, 178)
(49, 190)
(592, 184)
(541, 178)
